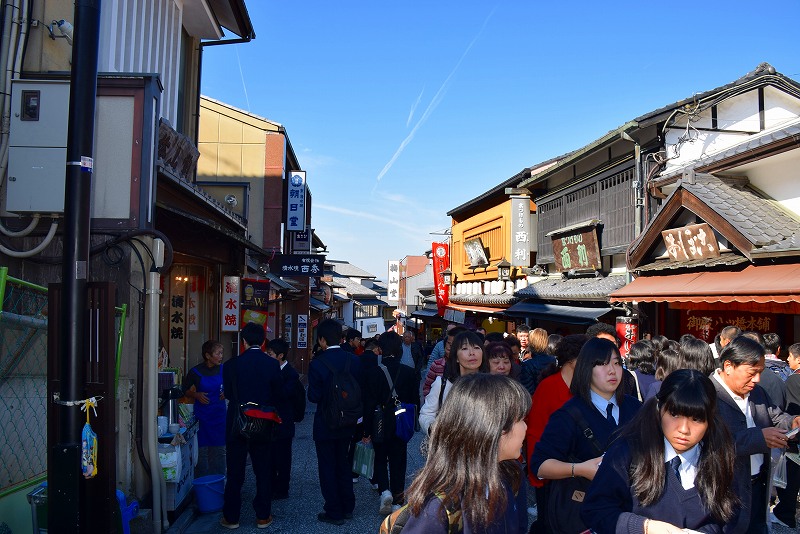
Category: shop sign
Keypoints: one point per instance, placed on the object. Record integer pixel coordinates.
(454, 316)
(520, 231)
(627, 333)
(577, 250)
(693, 242)
(301, 242)
(191, 305)
(706, 324)
(297, 265)
(302, 331)
(475, 252)
(287, 329)
(296, 202)
(441, 262)
(230, 304)
(393, 287)
(255, 299)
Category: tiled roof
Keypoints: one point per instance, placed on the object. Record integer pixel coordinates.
(348, 269)
(573, 288)
(484, 300)
(353, 289)
(764, 222)
(724, 259)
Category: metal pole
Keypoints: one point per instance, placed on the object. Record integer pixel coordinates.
(64, 485)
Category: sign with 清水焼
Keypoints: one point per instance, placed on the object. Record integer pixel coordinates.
(576, 249)
(297, 265)
(693, 242)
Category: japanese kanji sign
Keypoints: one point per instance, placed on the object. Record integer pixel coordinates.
(393, 285)
(255, 299)
(520, 230)
(230, 304)
(693, 242)
(297, 265)
(296, 202)
(441, 261)
(576, 249)
(302, 331)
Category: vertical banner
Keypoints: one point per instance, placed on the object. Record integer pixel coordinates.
(296, 202)
(255, 298)
(441, 262)
(191, 305)
(177, 320)
(520, 231)
(628, 334)
(302, 331)
(230, 304)
(287, 329)
(393, 287)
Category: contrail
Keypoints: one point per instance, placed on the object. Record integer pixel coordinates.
(414, 107)
(432, 106)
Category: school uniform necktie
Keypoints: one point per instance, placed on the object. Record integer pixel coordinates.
(675, 464)
(610, 414)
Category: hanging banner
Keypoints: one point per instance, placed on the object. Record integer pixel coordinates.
(296, 202)
(627, 333)
(393, 286)
(302, 331)
(520, 231)
(230, 304)
(255, 296)
(287, 329)
(191, 304)
(441, 262)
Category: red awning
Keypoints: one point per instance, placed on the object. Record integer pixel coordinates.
(755, 283)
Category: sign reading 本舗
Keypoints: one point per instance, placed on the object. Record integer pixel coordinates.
(520, 231)
(297, 265)
(693, 242)
(576, 248)
(393, 285)
(296, 202)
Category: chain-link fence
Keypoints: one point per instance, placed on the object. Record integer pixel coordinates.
(23, 381)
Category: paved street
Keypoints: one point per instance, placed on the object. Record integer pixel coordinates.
(298, 513)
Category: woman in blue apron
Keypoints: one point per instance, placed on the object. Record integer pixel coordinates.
(204, 385)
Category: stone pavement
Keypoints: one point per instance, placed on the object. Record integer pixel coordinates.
(298, 513)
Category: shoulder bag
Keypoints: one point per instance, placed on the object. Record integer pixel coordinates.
(254, 421)
(566, 495)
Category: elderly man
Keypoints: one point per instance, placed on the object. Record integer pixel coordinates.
(413, 355)
(756, 425)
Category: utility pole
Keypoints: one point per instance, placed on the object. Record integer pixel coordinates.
(64, 487)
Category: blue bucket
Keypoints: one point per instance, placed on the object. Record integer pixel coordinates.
(209, 491)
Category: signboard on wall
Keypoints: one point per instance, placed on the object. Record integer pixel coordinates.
(576, 249)
(301, 242)
(302, 331)
(255, 299)
(520, 231)
(476, 254)
(393, 286)
(297, 264)
(230, 304)
(287, 329)
(693, 242)
(296, 202)
(706, 324)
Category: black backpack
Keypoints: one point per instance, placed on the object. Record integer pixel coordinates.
(343, 404)
(298, 401)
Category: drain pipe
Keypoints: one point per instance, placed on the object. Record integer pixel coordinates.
(151, 394)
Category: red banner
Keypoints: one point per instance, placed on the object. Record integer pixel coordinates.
(441, 262)
(627, 333)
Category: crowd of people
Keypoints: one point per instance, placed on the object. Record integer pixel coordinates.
(676, 436)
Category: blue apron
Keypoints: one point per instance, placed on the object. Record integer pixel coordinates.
(212, 415)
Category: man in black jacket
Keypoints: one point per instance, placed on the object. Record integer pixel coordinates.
(250, 377)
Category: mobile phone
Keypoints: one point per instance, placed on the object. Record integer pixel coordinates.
(792, 433)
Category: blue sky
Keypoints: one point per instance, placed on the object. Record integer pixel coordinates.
(402, 111)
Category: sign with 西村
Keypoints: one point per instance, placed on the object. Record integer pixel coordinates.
(576, 249)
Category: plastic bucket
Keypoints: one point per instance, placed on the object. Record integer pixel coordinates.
(209, 490)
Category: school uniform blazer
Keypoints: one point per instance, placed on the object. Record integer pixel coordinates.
(285, 406)
(610, 505)
(257, 379)
(748, 441)
(319, 377)
(563, 440)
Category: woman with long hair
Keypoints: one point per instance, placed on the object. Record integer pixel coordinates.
(670, 469)
(472, 465)
(577, 435)
(466, 357)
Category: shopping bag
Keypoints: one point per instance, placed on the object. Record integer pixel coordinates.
(779, 471)
(364, 460)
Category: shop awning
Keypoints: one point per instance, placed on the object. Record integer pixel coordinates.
(425, 313)
(318, 305)
(755, 283)
(476, 309)
(556, 313)
(370, 302)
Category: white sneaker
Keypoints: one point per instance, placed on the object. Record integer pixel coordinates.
(386, 503)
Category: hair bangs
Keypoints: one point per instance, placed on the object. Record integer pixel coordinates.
(688, 393)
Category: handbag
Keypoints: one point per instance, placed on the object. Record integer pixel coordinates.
(404, 413)
(364, 460)
(254, 421)
(566, 495)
